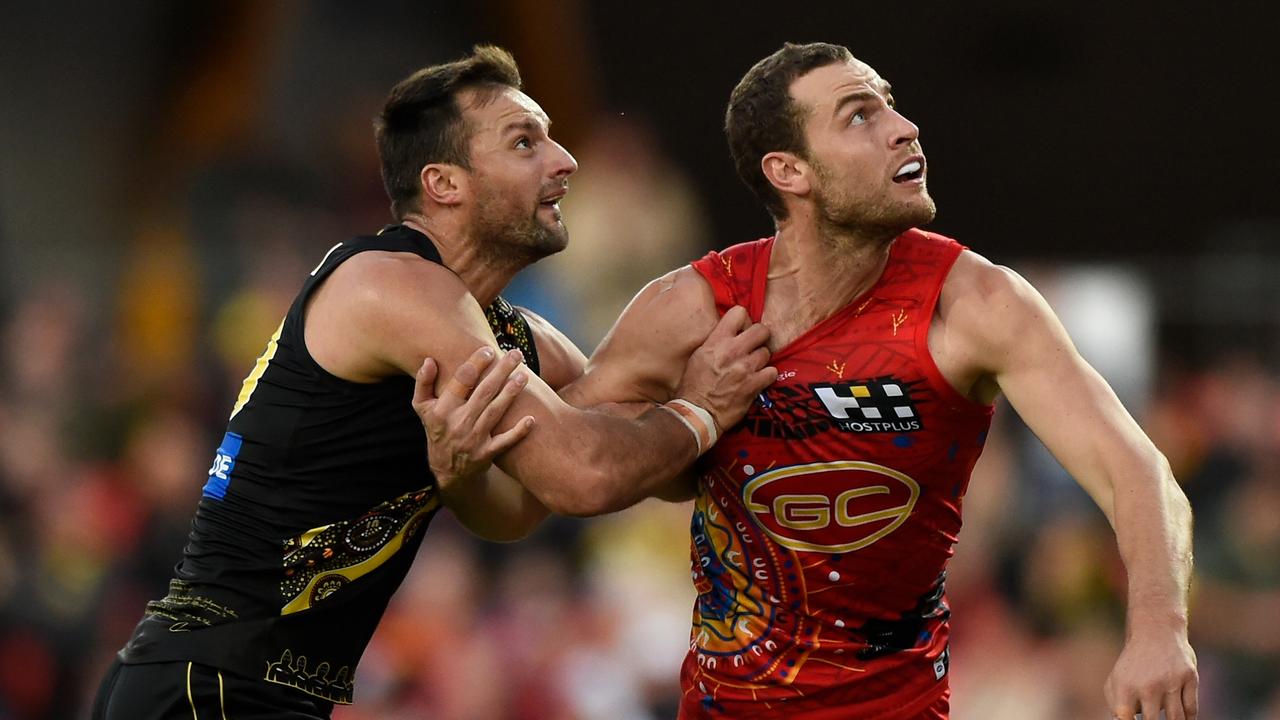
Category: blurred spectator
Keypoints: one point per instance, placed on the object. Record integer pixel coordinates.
(1237, 595)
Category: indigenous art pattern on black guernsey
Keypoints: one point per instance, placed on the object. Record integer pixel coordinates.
(314, 508)
(321, 561)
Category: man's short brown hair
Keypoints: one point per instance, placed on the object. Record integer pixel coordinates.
(763, 117)
(422, 122)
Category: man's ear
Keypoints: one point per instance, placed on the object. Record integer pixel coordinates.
(787, 172)
(443, 183)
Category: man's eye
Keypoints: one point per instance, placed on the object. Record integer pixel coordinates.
(858, 118)
(523, 143)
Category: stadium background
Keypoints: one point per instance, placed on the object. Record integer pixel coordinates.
(170, 171)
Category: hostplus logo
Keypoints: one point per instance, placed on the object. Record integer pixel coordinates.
(883, 404)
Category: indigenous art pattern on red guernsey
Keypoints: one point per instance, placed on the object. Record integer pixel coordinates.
(825, 520)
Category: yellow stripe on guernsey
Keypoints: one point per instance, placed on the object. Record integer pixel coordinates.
(260, 367)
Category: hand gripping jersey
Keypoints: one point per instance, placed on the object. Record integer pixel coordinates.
(825, 520)
(314, 508)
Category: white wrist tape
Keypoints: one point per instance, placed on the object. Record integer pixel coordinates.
(698, 420)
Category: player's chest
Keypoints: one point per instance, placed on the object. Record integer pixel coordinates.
(828, 459)
(871, 322)
(867, 365)
(825, 408)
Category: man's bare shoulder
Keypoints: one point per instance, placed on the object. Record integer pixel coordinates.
(373, 278)
(679, 304)
(987, 312)
(981, 294)
(643, 357)
(976, 279)
(379, 312)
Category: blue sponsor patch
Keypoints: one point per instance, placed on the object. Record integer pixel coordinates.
(223, 463)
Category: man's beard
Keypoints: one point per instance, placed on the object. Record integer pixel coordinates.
(839, 213)
(521, 241)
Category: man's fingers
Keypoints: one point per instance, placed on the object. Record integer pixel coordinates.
(1151, 707)
(493, 411)
(504, 441)
(1191, 699)
(749, 339)
(763, 378)
(1123, 701)
(424, 387)
(495, 378)
(1173, 706)
(467, 375)
(730, 324)
(758, 358)
(1124, 708)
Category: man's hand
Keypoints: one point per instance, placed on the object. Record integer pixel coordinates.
(460, 422)
(1156, 671)
(728, 370)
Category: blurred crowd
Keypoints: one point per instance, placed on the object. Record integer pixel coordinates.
(111, 408)
(217, 166)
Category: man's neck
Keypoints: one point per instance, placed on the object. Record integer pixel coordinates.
(484, 274)
(814, 272)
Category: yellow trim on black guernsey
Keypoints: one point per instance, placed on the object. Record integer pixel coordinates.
(259, 368)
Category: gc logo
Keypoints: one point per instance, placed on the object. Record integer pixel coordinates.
(832, 507)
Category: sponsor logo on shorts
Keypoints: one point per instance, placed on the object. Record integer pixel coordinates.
(880, 405)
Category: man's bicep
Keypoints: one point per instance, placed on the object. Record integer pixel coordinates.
(422, 310)
(559, 429)
(643, 357)
(1062, 399)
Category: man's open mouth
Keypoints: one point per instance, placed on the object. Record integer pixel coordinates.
(911, 170)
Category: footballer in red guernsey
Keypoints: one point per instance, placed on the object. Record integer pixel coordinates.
(824, 521)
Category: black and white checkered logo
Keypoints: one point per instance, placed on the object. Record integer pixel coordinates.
(870, 406)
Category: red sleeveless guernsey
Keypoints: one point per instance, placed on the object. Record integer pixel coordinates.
(825, 520)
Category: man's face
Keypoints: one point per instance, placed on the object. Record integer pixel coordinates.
(519, 175)
(869, 170)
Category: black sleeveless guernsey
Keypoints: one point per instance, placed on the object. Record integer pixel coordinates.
(313, 511)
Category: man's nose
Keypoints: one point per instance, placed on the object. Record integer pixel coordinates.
(563, 163)
(905, 132)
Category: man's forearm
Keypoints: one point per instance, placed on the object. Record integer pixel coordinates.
(607, 463)
(682, 486)
(636, 465)
(617, 461)
(494, 506)
(1153, 530)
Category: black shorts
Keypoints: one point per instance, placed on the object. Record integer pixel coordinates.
(187, 691)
